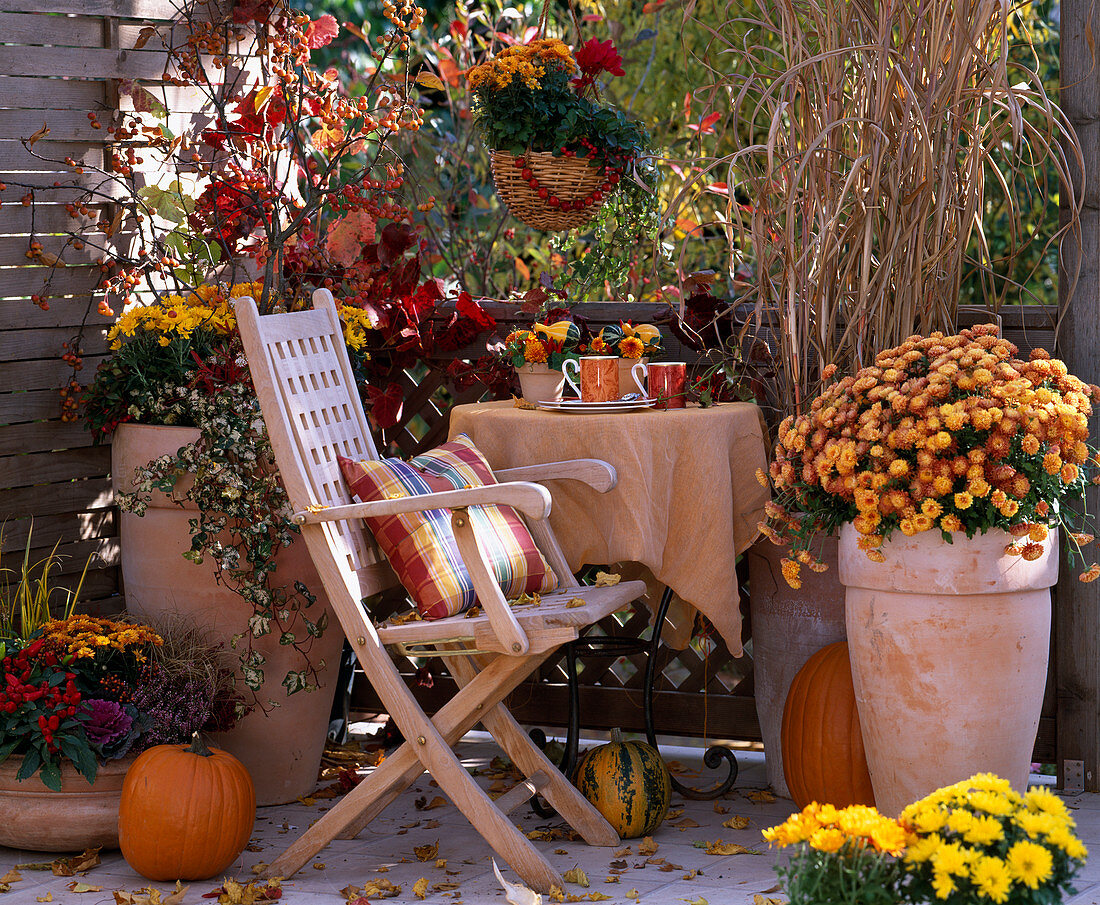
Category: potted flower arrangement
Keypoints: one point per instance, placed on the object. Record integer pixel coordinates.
(975, 841)
(946, 466)
(978, 840)
(66, 715)
(80, 697)
(842, 856)
(538, 355)
(557, 153)
(827, 277)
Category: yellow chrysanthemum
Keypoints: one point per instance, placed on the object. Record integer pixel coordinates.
(1029, 863)
(990, 874)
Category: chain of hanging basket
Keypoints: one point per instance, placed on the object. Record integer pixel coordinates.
(550, 190)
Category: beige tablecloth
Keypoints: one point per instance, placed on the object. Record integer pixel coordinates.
(687, 500)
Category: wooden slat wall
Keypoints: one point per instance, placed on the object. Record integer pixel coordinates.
(56, 68)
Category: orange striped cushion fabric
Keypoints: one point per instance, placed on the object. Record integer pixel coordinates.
(421, 546)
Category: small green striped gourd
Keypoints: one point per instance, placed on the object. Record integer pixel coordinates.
(628, 783)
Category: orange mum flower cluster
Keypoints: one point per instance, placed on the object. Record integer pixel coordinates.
(82, 636)
(952, 433)
(522, 63)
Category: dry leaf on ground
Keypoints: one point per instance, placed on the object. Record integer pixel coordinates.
(736, 822)
(81, 886)
(48, 897)
(648, 846)
(77, 864)
(426, 852)
(686, 824)
(718, 847)
(760, 796)
(420, 888)
(577, 876)
(762, 900)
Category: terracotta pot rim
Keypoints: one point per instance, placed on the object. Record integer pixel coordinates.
(926, 564)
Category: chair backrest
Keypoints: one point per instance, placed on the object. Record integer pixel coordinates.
(313, 413)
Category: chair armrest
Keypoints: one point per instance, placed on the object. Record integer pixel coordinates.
(533, 500)
(596, 473)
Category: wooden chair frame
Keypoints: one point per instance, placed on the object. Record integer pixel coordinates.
(306, 389)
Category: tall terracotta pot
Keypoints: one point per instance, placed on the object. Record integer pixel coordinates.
(788, 627)
(949, 646)
(281, 748)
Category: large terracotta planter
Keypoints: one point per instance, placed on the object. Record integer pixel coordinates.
(80, 816)
(788, 627)
(540, 384)
(281, 748)
(949, 646)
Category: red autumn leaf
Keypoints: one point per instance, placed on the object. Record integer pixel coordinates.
(321, 31)
(471, 309)
(706, 125)
(386, 405)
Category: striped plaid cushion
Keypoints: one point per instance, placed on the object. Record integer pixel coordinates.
(421, 546)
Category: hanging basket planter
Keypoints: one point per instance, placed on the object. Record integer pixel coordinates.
(530, 185)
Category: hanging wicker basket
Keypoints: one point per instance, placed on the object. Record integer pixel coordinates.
(570, 179)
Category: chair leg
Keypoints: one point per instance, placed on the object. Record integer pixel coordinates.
(566, 799)
(395, 773)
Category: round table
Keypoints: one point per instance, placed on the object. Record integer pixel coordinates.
(687, 500)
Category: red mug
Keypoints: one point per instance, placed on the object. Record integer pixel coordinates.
(668, 384)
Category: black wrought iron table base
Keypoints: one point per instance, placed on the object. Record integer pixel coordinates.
(611, 646)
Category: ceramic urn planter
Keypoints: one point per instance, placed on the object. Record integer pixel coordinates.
(788, 627)
(281, 748)
(949, 646)
(82, 815)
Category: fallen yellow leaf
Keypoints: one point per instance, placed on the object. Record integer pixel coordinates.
(718, 847)
(48, 897)
(736, 822)
(12, 876)
(577, 876)
(760, 796)
(79, 886)
(648, 846)
(426, 852)
(607, 579)
(420, 888)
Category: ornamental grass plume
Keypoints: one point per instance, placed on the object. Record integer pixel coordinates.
(979, 841)
(847, 856)
(944, 433)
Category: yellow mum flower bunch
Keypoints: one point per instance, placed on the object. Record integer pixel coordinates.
(209, 308)
(844, 856)
(945, 433)
(980, 841)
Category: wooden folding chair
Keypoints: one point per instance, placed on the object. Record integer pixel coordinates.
(306, 389)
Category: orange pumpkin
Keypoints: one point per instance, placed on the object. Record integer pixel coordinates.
(823, 757)
(186, 812)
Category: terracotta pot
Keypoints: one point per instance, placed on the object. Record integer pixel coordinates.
(627, 381)
(949, 647)
(539, 384)
(281, 748)
(80, 816)
(788, 627)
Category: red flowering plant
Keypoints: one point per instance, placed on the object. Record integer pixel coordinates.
(594, 58)
(66, 695)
